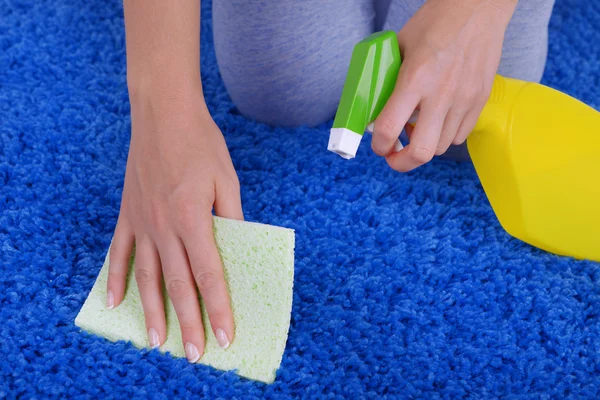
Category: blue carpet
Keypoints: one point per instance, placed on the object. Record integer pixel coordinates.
(406, 285)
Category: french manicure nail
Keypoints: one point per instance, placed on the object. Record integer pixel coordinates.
(153, 338)
(191, 352)
(222, 338)
(110, 300)
(398, 145)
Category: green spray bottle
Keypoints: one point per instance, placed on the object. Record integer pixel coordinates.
(536, 150)
(369, 84)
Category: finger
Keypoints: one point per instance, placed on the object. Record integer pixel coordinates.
(397, 146)
(468, 124)
(228, 202)
(182, 292)
(393, 117)
(208, 273)
(424, 140)
(450, 130)
(148, 276)
(118, 266)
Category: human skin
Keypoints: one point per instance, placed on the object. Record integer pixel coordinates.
(179, 167)
(451, 52)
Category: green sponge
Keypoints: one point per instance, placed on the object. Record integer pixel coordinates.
(258, 263)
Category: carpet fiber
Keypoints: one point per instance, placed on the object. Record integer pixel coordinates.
(406, 285)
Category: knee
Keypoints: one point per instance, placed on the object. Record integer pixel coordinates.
(283, 87)
(525, 49)
(281, 76)
(285, 95)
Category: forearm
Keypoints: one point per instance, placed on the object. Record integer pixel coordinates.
(163, 47)
(461, 18)
(500, 9)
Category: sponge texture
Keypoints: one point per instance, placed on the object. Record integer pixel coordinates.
(258, 262)
(405, 285)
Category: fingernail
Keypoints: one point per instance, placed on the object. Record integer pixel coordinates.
(153, 338)
(110, 300)
(398, 146)
(222, 338)
(191, 352)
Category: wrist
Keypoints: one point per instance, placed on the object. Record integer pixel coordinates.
(164, 102)
(143, 85)
(164, 92)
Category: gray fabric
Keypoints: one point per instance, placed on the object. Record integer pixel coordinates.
(284, 61)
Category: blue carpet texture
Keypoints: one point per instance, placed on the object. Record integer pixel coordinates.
(406, 285)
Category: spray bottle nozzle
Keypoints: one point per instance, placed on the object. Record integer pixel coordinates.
(369, 83)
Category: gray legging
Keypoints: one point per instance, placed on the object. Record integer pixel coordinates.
(284, 61)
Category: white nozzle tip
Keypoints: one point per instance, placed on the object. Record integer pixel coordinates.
(344, 142)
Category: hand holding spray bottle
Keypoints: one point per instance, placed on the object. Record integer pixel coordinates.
(536, 150)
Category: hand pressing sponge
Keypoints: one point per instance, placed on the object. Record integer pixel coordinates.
(258, 262)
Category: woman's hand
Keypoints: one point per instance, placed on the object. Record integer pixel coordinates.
(451, 52)
(178, 169)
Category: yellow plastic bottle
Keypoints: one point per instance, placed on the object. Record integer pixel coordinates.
(537, 153)
(536, 150)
